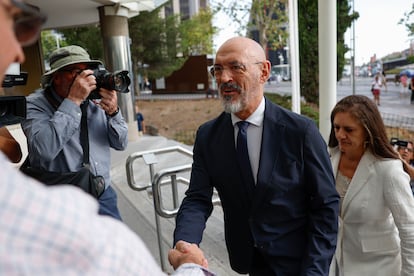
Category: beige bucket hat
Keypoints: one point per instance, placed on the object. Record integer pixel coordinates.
(65, 56)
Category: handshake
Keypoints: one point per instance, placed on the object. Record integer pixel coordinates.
(185, 252)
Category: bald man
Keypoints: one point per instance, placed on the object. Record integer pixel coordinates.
(280, 212)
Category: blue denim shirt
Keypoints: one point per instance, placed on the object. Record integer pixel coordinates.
(53, 136)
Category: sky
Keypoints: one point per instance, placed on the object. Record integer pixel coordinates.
(376, 31)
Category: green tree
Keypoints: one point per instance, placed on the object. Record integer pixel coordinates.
(270, 19)
(153, 48)
(51, 40)
(267, 17)
(88, 37)
(164, 44)
(408, 22)
(196, 34)
(308, 49)
(159, 45)
(308, 44)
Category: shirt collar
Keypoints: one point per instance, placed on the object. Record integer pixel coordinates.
(256, 118)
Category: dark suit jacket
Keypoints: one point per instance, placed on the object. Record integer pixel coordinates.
(290, 217)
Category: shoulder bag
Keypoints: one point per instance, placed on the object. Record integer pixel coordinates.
(84, 178)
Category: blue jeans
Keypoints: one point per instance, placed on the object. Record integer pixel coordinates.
(108, 204)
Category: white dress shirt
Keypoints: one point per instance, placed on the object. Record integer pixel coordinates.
(254, 135)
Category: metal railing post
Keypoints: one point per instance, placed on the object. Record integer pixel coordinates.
(157, 181)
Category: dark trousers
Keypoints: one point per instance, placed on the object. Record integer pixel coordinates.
(260, 267)
(108, 204)
(274, 266)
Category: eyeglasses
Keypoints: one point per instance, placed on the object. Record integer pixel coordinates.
(72, 71)
(405, 149)
(27, 23)
(235, 68)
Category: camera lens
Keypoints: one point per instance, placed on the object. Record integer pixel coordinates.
(118, 81)
(121, 81)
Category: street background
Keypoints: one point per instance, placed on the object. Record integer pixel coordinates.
(391, 102)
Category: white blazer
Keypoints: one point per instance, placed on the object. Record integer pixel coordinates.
(376, 229)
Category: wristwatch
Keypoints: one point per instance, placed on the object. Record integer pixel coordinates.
(116, 112)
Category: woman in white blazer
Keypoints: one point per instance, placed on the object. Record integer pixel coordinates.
(376, 231)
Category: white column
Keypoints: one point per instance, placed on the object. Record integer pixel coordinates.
(327, 63)
(294, 54)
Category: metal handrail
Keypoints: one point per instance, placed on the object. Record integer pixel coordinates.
(148, 157)
(156, 189)
(157, 181)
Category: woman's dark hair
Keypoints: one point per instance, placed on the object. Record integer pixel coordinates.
(364, 110)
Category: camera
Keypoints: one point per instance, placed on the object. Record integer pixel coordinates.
(398, 143)
(118, 81)
(12, 80)
(13, 108)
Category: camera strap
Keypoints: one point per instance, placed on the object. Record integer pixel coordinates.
(84, 137)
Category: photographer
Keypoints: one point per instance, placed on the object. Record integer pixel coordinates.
(53, 122)
(405, 149)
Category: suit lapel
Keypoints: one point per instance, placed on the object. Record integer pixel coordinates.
(362, 174)
(269, 153)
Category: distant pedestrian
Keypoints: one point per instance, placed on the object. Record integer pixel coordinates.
(140, 121)
(384, 80)
(376, 89)
(411, 88)
(147, 84)
(404, 85)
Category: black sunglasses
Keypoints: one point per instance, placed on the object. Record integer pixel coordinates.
(27, 24)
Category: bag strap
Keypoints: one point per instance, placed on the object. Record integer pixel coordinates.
(84, 137)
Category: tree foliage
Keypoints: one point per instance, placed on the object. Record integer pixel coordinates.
(159, 46)
(308, 49)
(88, 37)
(196, 34)
(308, 44)
(408, 21)
(154, 44)
(270, 19)
(51, 40)
(267, 17)
(345, 17)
